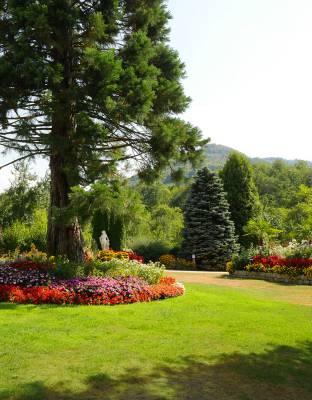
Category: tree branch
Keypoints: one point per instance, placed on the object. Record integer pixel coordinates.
(19, 159)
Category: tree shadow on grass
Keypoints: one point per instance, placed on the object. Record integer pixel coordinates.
(8, 306)
(279, 373)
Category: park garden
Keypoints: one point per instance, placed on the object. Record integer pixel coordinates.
(120, 269)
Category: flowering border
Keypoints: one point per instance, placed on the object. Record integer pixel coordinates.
(59, 295)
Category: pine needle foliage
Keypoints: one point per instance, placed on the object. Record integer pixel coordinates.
(209, 231)
(91, 85)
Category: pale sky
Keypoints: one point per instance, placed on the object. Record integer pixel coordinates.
(249, 73)
(249, 67)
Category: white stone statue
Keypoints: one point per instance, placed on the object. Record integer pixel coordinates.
(104, 240)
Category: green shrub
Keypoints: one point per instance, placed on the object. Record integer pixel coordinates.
(298, 249)
(38, 229)
(65, 269)
(286, 270)
(172, 262)
(150, 250)
(15, 236)
(308, 272)
(151, 272)
(112, 224)
(256, 268)
(22, 235)
(243, 258)
(230, 267)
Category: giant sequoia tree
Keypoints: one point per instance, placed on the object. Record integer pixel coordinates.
(90, 84)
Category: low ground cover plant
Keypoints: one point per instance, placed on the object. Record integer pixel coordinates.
(26, 274)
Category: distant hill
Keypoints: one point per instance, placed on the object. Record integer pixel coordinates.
(217, 154)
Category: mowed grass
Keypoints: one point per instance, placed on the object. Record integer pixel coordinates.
(214, 343)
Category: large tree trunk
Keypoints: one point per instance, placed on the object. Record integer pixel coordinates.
(64, 237)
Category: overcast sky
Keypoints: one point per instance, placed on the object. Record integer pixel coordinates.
(249, 67)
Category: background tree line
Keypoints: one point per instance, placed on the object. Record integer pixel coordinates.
(267, 201)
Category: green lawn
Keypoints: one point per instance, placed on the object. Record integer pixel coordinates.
(215, 343)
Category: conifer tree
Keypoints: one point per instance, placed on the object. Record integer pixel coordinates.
(89, 84)
(209, 231)
(241, 191)
(112, 224)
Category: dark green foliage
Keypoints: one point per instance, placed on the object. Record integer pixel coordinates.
(244, 257)
(65, 269)
(209, 232)
(179, 196)
(278, 183)
(154, 194)
(167, 224)
(151, 250)
(284, 192)
(112, 224)
(90, 84)
(241, 192)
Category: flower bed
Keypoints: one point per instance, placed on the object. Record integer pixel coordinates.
(274, 267)
(26, 274)
(35, 283)
(108, 255)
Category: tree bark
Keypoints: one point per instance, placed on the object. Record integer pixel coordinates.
(64, 238)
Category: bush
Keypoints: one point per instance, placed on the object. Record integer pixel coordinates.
(107, 255)
(16, 236)
(22, 235)
(150, 273)
(172, 262)
(35, 255)
(308, 272)
(151, 250)
(65, 269)
(244, 257)
(167, 260)
(298, 249)
(230, 267)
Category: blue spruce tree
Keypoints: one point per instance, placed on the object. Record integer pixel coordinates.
(209, 231)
